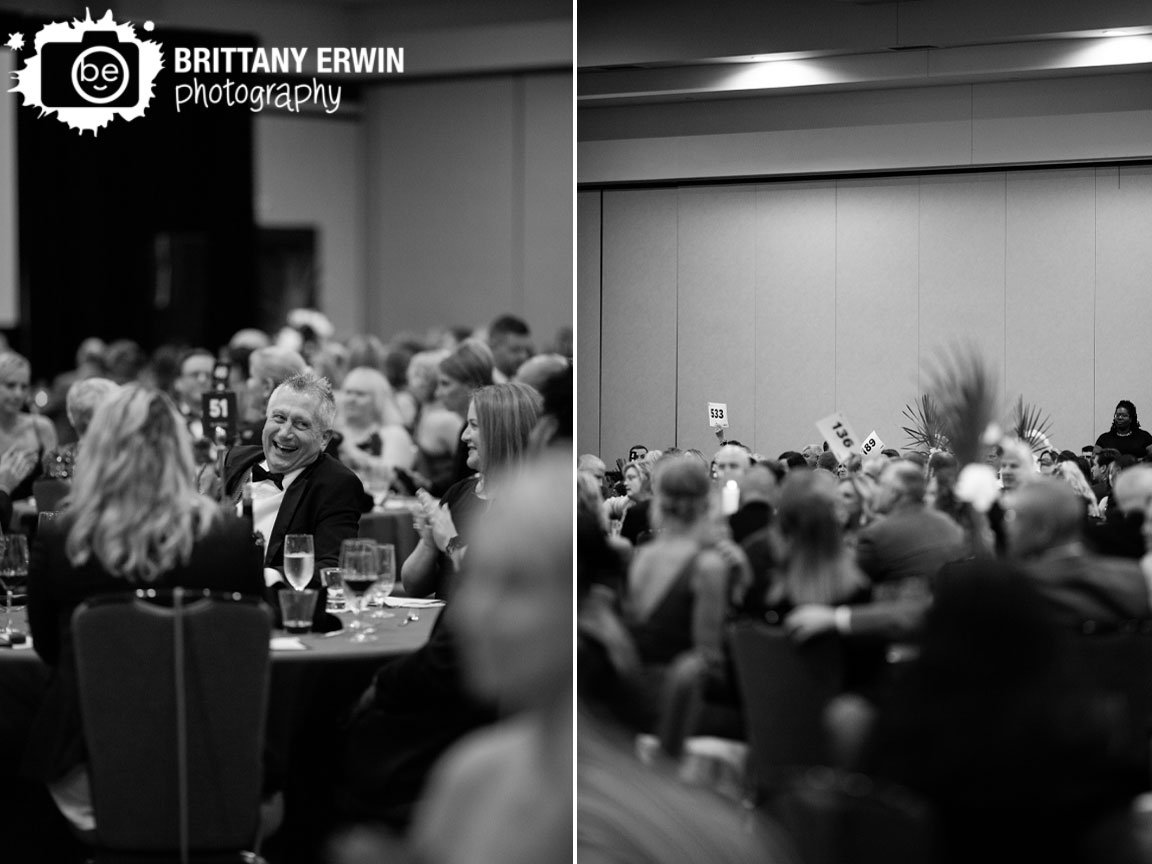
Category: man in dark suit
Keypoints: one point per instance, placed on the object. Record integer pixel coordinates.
(296, 487)
(900, 553)
(1043, 533)
(911, 542)
(759, 492)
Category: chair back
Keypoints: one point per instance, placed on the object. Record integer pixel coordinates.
(174, 702)
(1118, 665)
(785, 689)
(837, 818)
(49, 492)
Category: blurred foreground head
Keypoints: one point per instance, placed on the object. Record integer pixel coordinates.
(514, 606)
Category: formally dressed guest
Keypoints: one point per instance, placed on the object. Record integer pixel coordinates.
(396, 360)
(1070, 474)
(900, 552)
(374, 437)
(19, 430)
(135, 520)
(124, 361)
(503, 795)
(268, 368)
(84, 397)
(808, 561)
(730, 463)
(1125, 434)
(636, 524)
(999, 730)
(1016, 467)
(1121, 531)
(912, 541)
(681, 584)
(1044, 535)
(15, 465)
(89, 364)
(496, 436)
(535, 371)
(595, 466)
(435, 429)
(193, 380)
(418, 705)
(467, 368)
(511, 344)
(1119, 465)
(759, 493)
(296, 487)
(857, 491)
(628, 810)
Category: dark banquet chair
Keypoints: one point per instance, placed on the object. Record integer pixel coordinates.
(173, 691)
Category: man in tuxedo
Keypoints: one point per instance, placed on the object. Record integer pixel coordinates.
(1080, 588)
(296, 487)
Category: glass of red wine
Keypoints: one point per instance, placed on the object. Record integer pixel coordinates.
(358, 571)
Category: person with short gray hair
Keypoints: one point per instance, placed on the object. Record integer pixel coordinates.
(290, 472)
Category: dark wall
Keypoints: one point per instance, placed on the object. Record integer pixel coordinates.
(144, 231)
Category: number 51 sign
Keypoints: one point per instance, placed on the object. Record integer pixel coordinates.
(841, 439)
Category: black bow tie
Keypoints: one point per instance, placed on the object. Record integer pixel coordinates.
(259, 474)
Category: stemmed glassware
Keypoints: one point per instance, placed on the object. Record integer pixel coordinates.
(377, 479)
(359, 571)
(299, 560)
(386, 578)
(13, 572)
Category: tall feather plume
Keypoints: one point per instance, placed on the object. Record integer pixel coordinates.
(963, 387)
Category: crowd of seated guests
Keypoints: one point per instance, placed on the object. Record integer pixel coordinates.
(904, 559)
(151, 495)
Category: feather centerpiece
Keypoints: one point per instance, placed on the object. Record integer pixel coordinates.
(964, 389)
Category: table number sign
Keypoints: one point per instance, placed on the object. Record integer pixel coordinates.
(218, 410)
(838, 433)
(872, 445)
(718, 414)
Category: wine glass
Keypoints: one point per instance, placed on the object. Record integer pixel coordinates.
(386, 578)
(13, 571)
(299, 560)
(377, 479)
(358, 571)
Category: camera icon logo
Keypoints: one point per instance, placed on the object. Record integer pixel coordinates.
(100, 70)
(90, 72)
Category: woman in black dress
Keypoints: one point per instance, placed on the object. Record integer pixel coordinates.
(1126, 434)
(134, 519)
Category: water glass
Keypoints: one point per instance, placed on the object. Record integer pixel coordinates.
(297, 608)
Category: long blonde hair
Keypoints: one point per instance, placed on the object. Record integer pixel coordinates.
(134, 503)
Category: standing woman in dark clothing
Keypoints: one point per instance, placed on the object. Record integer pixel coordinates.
(1126, 434)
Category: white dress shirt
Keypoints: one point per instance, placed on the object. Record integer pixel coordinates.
(266, 501)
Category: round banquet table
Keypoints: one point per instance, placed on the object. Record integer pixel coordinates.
(315, 680)
(392, 523)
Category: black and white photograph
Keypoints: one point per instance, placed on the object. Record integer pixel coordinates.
(861, 297)
(286, 365)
